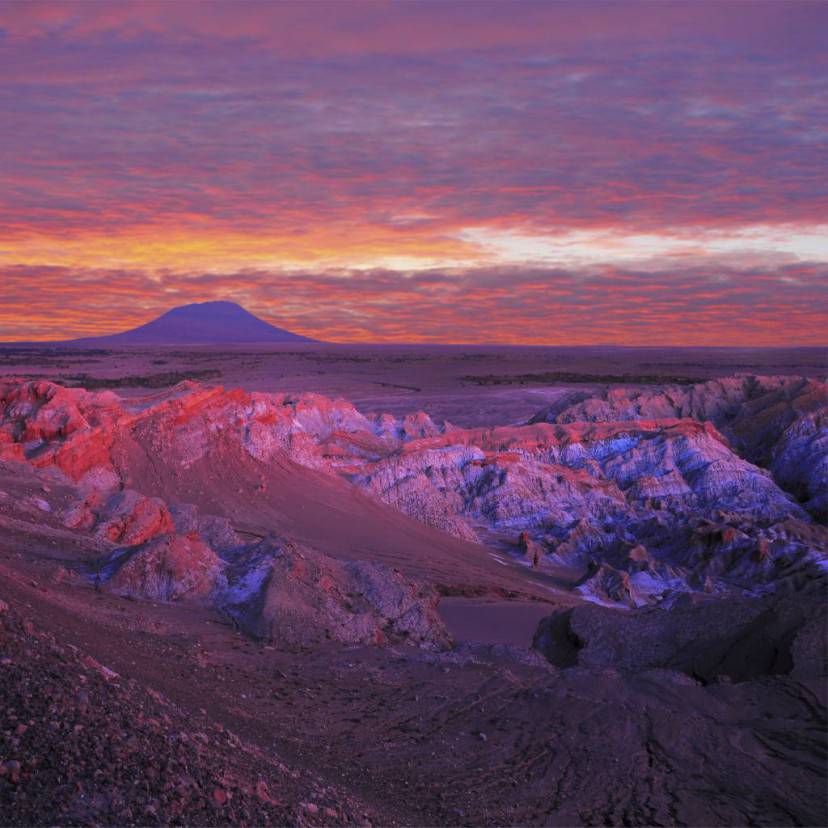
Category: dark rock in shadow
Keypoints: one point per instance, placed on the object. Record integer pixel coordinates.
(706, 638)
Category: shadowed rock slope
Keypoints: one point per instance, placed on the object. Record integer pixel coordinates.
(708, 639)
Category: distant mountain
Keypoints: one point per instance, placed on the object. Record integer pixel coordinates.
(204, 323)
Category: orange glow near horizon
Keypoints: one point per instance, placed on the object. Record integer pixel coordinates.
(440, 306)
(221, 250)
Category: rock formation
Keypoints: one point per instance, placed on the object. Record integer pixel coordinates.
(705, 638)
(640, 507)
(672, 490)
(776, 422)
(297, 597)
(715, 636)
(168, 568)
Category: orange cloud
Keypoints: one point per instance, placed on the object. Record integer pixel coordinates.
(781, 306)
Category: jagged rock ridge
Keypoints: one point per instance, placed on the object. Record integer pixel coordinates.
(777, 422)
(641, 508)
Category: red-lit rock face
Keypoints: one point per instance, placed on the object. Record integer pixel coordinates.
(641, 506)
(129, 518)
(68, 428)
(168, 568)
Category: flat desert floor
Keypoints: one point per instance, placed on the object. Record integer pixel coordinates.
(468, 385)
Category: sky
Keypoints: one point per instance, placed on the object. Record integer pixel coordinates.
(472, 172)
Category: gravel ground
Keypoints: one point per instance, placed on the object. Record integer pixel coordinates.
(81, 746)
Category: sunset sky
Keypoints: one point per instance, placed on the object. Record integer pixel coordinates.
(539, 173)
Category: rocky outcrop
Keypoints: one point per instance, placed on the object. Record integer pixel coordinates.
(586, 493)
(55, 426)
(428, 484)
(707, 639)
(168, 568)
(605, 583)
(799, 461)
(129, 518)
(777, 422)
(298, 597)
(274, 589)
(696, 514)
(216, 531)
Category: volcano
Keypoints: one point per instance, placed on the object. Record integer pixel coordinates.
(203, 323)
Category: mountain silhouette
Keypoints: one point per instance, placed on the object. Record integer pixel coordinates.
(203, 323)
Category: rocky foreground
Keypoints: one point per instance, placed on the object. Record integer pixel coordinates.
(689, 691)
(82, 746)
